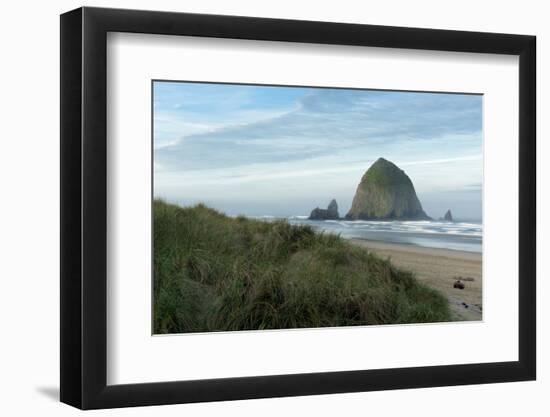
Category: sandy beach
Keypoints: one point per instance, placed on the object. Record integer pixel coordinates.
(439, 269)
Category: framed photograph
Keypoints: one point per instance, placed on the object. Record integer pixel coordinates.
(257, 208)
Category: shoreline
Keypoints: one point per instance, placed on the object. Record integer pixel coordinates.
(453, 236)
(413, 247)
(438, 268)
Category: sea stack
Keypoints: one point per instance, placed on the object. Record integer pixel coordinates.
(448, 216)
(330, 213)
(386, 193)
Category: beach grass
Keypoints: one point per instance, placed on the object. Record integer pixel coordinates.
(218, 273)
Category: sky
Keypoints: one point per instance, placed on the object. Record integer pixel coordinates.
(282, 151)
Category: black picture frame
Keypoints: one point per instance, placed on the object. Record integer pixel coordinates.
(84, 207)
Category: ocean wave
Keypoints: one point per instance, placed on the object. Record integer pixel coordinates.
(416, 227)
(451, 235)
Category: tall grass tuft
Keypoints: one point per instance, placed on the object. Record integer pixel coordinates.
(217, 273)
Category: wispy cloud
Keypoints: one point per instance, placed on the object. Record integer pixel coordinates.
(231, 140)
(319, 123)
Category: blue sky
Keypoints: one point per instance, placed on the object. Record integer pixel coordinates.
(261, 150)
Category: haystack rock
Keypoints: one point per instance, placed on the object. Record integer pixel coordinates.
(386, 193)
(330, 213)
(448, 216)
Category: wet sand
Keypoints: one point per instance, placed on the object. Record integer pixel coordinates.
(439, 269)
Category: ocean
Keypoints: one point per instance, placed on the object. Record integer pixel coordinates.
(464, 236)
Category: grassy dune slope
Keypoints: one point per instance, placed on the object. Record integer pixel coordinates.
(216, 273)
